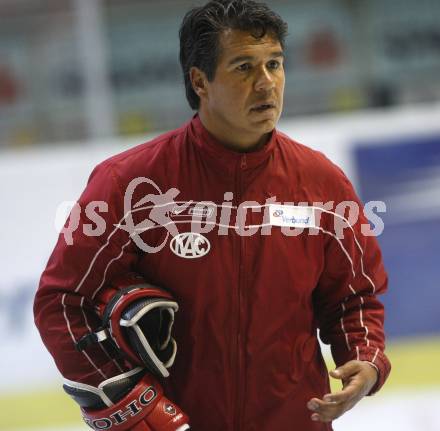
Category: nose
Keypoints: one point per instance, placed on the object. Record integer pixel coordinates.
(265, 81)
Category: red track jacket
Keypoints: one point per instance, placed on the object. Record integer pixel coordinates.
(251, 297)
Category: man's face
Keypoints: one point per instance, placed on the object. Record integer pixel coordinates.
(245, 99)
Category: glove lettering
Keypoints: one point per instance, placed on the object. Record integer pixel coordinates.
(119, 417)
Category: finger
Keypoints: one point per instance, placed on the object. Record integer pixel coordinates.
(333, 404)
(355, 387)
(351, 391)
(318, 418)
(326, 417)
(325, 409)
(314, 404)
(346, 370)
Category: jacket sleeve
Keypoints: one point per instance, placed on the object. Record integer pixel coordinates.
(349, 313)
(77, 269)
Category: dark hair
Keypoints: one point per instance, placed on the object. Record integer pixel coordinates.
(201, 29)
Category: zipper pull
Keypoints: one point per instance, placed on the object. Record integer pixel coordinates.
(243, 161)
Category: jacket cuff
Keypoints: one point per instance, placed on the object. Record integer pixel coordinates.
(369, 354)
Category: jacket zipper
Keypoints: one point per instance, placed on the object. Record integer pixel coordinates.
(240, 381)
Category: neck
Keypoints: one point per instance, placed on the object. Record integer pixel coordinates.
(239, 142)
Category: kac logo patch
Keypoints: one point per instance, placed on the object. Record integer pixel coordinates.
(169, 409)
(190, 245)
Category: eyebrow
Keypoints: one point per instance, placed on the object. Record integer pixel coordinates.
(242, 58)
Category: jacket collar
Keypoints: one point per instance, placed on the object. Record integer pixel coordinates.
(208, 144)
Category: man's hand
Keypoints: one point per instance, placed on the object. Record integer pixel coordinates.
(358, 378)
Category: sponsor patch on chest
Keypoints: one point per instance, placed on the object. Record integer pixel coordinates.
(292, 216)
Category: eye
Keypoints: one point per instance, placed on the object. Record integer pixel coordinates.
(274, 64)
(244, 67)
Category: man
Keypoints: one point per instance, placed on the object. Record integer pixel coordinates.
(254, 272)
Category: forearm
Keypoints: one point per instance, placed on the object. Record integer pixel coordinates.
(62, 319)
(75, 273)
(349, 312)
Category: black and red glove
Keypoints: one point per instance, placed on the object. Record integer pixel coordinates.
(136, 322)
(137, 318)
(142, 407)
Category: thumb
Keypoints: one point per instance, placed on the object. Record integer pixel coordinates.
(336, 374)
(344, 371)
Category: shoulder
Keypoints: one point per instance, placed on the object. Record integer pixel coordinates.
(147, 159)
(312, 168)
(145, 154)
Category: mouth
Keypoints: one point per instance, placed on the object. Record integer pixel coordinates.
(263, 107)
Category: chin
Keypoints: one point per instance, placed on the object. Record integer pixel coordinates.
(265, 122)
(264, 126)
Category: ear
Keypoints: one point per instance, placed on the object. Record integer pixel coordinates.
(199, 82)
